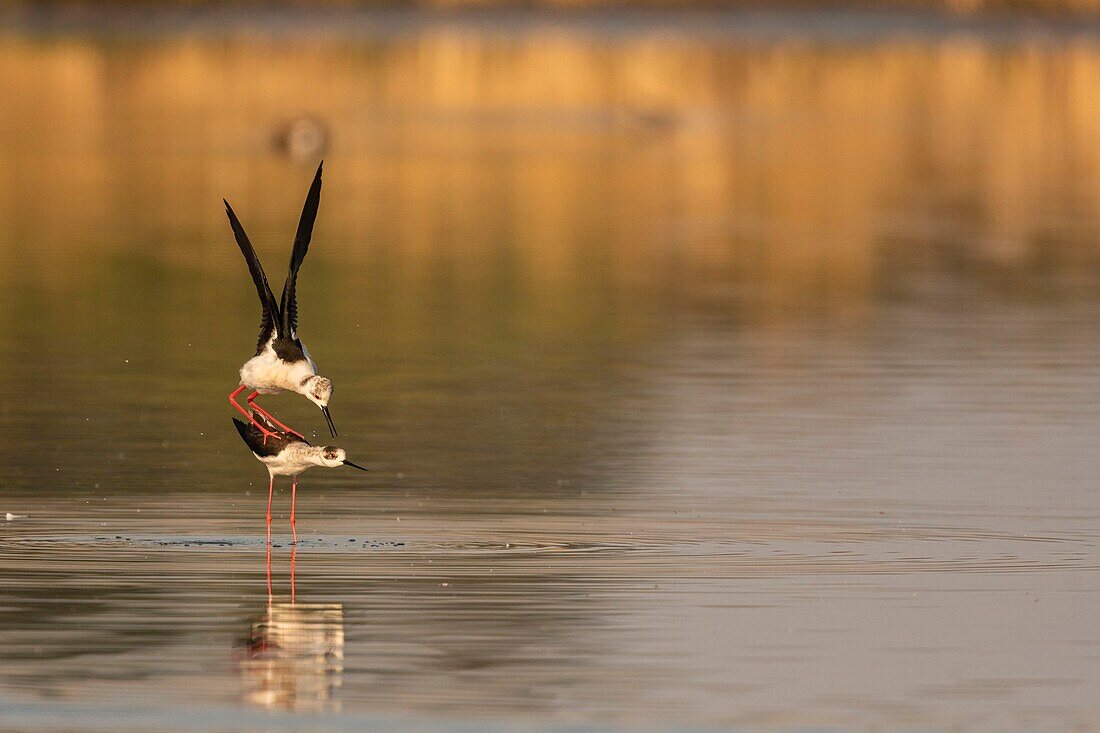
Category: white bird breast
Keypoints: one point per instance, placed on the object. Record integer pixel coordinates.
(289, 462)
(266, 373)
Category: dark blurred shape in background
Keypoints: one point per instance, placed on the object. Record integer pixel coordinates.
(302, 138)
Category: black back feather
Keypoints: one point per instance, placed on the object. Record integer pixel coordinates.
(271, 317)
(288, 305)
(289, 350)
(253, 437)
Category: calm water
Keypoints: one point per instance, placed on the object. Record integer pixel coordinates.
(707, 379)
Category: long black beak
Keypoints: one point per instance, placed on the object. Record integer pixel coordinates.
(328, 418)
(349, 463)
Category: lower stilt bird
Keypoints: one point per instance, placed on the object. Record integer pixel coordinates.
(286, 454)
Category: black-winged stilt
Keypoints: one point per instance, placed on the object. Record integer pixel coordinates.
(281, 361)
(286, 454)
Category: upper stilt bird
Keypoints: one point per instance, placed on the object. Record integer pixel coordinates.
(281, 361)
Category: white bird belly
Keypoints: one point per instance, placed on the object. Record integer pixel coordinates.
(284, 466)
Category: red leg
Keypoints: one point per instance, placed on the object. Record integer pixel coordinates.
(270, 492)
(293, 496)
(233, 401)
(293, 557)
(252, 403)
(269, 568)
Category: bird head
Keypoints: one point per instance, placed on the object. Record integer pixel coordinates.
(330, 457)
(318, 390)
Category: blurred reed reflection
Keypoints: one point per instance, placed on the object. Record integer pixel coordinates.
(293, 656)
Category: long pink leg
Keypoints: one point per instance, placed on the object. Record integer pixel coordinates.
(293, 496)
(269, 569)
(233, 401)
(270, 493)
(252, 403)
(293, 557)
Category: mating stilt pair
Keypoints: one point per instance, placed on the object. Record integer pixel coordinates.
(282, 363)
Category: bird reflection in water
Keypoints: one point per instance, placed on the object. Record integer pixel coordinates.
(292, 657)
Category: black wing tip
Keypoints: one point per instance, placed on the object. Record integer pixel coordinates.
(253, 437)
(242, 428)
(233, 221)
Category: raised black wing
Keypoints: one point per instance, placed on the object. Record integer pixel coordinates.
(288, 305)
(271, 317)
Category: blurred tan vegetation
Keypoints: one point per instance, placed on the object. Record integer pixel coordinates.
(786, 167)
